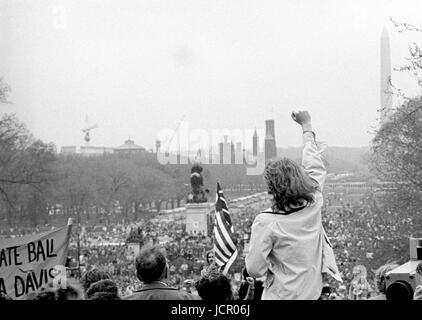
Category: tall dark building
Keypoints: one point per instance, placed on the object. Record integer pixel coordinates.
(270, 145)
(157, 146)
(255, 142)
(221, 152)
(226, 151)
(232, 153)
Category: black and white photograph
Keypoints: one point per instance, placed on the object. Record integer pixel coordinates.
(210, 153)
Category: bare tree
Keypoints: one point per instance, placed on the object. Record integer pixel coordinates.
(24, 161)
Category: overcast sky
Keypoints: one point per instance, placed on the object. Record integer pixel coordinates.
(136, 67)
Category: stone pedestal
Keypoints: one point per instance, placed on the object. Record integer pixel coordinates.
(197, 218)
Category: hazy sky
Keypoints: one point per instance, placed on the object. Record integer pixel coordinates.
(136, 67)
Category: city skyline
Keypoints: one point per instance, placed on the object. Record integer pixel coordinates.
(231, 68)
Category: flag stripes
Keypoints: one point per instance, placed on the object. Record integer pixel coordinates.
(225, 243)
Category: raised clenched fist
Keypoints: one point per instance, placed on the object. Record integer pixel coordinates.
(302, 117)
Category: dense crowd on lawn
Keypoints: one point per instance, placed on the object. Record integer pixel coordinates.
(363, 240)
(363, 237)
(109, 247)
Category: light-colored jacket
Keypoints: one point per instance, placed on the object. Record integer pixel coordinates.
(292, 251)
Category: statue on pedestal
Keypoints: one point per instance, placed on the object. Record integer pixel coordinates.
(197, 183)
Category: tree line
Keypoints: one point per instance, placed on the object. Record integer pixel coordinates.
(39, 185)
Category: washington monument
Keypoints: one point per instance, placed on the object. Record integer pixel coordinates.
(386, 95)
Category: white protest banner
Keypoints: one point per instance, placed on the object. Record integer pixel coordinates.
(31, 262)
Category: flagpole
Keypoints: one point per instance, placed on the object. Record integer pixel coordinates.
(70, 225)
(79, 254)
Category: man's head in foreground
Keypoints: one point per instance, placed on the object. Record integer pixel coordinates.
(151, 264)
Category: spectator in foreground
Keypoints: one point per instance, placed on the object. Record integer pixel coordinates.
(151, 269)
(45, 295)
(288, 243)
(214, 286)
(380, 274)
(250, 289)
(4, 297)
(103, 290)
(92, 276)
(72, 291)
(359, 287)
(104, 296)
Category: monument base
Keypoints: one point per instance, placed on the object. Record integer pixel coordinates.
(197, 217)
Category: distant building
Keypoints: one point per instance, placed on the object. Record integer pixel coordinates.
(86, 151)
(225, 149)
(157, 146)
(239, 155)
(129, 147)
(255, 142)
(270, 144)
(66, 150)
(89, 151)
(232, 153)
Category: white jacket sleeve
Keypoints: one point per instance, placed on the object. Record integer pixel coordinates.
(260, 246)
(312, 159)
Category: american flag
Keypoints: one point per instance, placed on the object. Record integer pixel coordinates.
(225, 244)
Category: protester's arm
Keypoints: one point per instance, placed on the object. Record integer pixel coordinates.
(260, 247)
(251, 289)
(311, 156)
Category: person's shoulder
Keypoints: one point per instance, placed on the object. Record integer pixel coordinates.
(155, 294)
(171, 294)
(265, 214)
(318, 195)
(187, 296)
(133, 296)
(264, 218)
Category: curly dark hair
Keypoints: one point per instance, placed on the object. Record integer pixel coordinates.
(102, 286)
(104, 296)
(214, 286)
(289, 185)
(196, 168)
(45, 295)
(72, 291)
(92, 276)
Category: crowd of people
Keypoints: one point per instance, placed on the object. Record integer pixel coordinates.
(283, 248)
(363, 240)
(355, 231)
(113, 248)
(152, 270)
